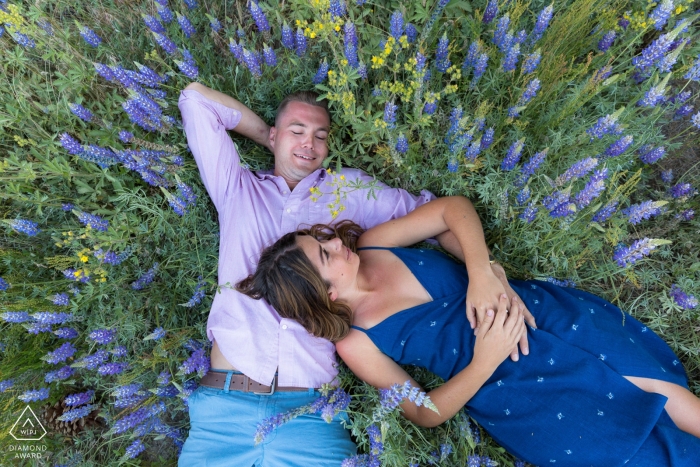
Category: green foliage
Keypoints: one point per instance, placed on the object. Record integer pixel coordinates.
(39, 176)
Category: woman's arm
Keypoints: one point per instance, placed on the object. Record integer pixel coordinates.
(497, 336)
(456, 215)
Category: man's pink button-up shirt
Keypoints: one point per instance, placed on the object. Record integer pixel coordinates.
(255, 209)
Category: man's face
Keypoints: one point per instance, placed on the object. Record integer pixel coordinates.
(299, 141)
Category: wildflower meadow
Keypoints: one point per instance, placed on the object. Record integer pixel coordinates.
(572, 125)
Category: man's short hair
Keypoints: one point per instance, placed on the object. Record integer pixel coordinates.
(306, 97)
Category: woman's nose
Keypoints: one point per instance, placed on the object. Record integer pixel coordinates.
(337, 243)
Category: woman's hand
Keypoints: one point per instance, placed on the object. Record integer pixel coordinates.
(482, 294)
(498, 334)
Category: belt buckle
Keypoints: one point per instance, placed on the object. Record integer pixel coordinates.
(273, 386)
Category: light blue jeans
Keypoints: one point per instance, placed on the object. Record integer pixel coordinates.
(223, 425)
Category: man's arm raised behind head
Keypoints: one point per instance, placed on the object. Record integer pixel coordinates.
(251, 125)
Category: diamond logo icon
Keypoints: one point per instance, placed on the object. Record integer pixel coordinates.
(28, 427)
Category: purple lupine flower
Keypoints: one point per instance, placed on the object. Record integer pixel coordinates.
(501, 30)
(472, 54)
(61, 354)
(375, 440)
(76, 414)
(559, 204)
(649, 155)
(520, 37)
(686, 215)
(653, 96)
(80, 112)
(666, 63)
(603, 126)
(215, 25)
(680, 97)
(491, 11)
(7, 384)
(695, 120)
(350, 44)
(628, 255)
(179, 205)
(126, 136)
(337, 9)
(641, 211)
(269, 56)
(593, 189)
(321, 74)
(67, 207)
(58, 375)
(36, 328)
(186, 26)
(607, 41)
(45, 26)
(541, 25)
(411, 33)
(236, 49)
(48, 317)
(158, 333)
(76, 275)
(119, 351)
(105, 72)
(531, 61)
(66, 333)
(396, 27)
(479, 68)
(513, 155)
(93, 221)
(533, 164)
(70, 144)
(166, 15)
(124, 78)
(112, 368)
(619, 146)
(163, 378)
(198, 362)
(479, 123)
(34, 395)
(3, 285)
(430, 107)
(362, 70)
(287, 36)
(487, 139)
(166, 391)
(153, 24)
(473, 151)
(24, 226)
(682, 190)
(90, 37)
(420, 62)
(653, 52)
(523, 196)
(623, 23)
(126, 390)
(694, 73)
(300, 43)
(103, 336)
(191, 4)
(129, 401)
(511, 58)
(146, 278)
(507, 42)
(390, 114)
(60, 299)
(134, 449)
(259, 17)
(577, 170)
(389, 399)
(402, 144)
(560, 283)
(661, 14)
(188, 69)
(682, 299)
(165, 42)
(103, 157)
(442, 62)
(530, 92)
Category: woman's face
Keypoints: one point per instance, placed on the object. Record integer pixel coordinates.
(336, 263)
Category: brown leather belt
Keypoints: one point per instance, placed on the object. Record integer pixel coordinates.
(240, 382)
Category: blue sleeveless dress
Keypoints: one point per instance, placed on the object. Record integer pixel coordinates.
(565, 403)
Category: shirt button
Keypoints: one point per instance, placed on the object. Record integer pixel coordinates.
(284, 326)
(289, 210)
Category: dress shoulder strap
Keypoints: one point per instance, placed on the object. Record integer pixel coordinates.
(359, 328)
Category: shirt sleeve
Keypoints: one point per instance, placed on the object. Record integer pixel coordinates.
(205, 123)
(386, 203)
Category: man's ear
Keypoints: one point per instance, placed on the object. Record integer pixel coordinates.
(271, 138)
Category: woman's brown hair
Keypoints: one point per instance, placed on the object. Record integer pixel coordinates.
(292, 285)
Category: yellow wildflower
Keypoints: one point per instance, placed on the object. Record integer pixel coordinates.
(84, 259)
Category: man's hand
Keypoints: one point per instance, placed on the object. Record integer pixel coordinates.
(476, 317)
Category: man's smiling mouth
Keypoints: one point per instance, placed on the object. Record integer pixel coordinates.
(308, 158)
